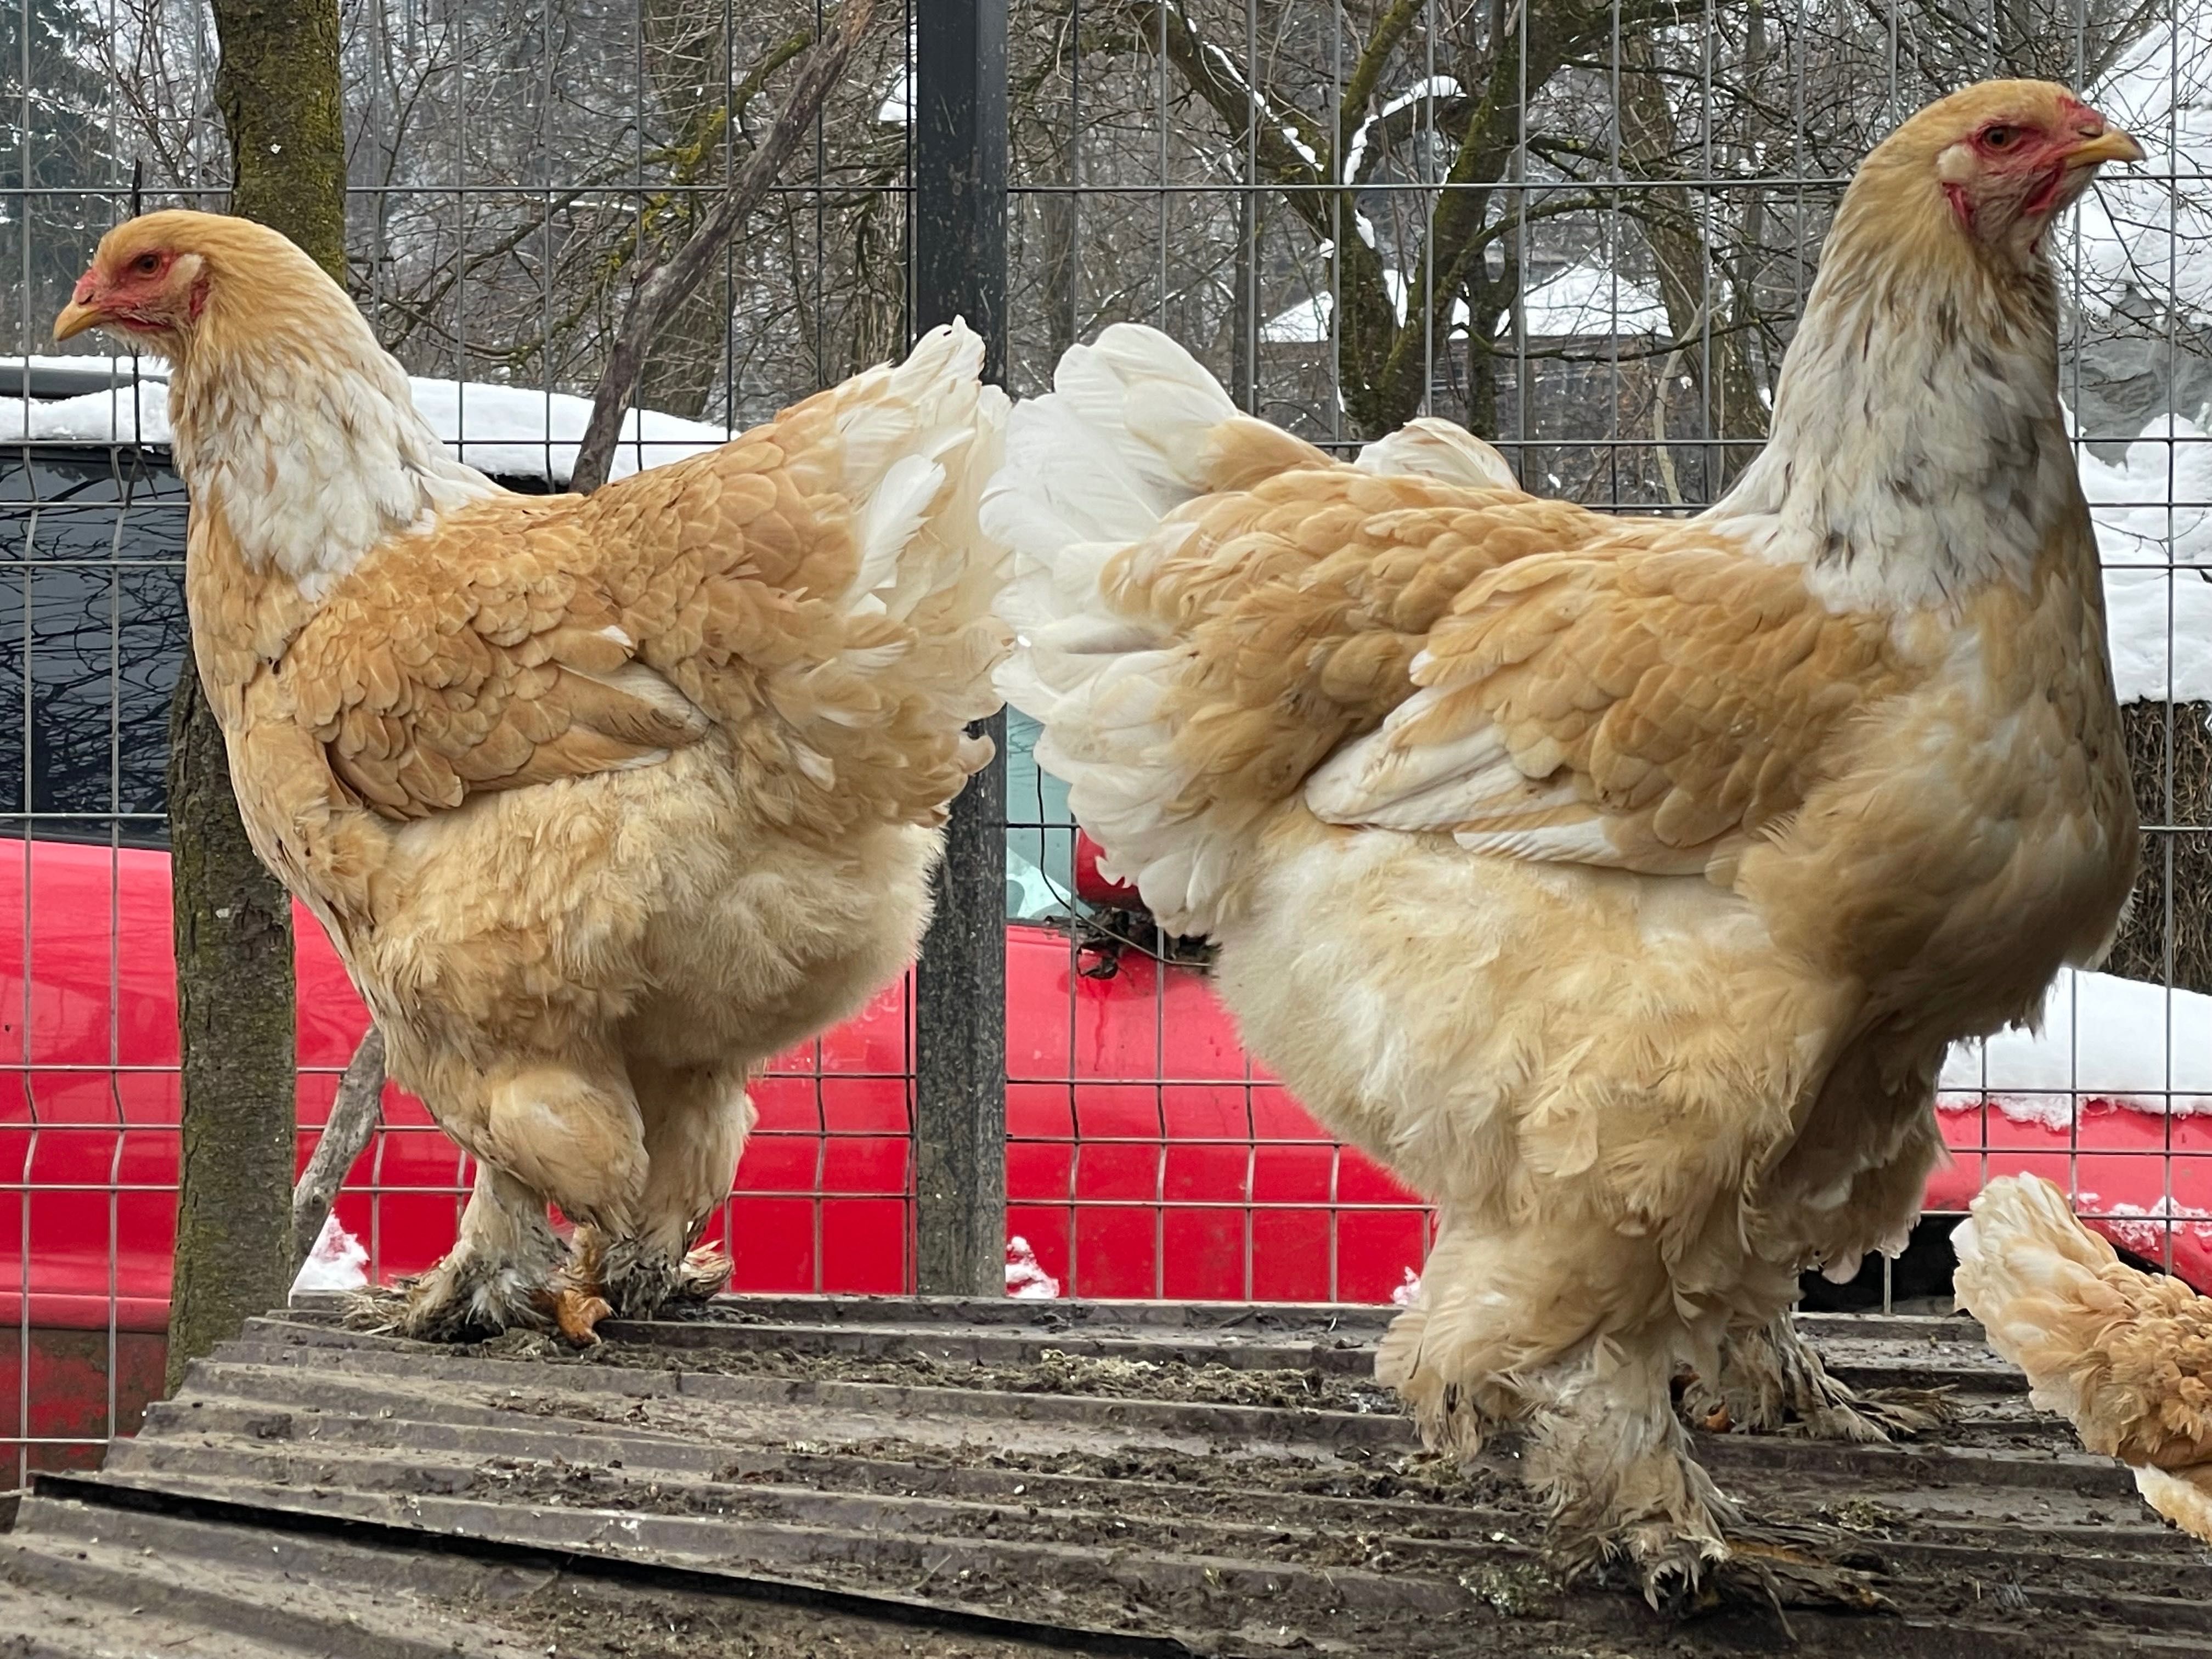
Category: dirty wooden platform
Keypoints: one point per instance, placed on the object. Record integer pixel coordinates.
(799, 1476)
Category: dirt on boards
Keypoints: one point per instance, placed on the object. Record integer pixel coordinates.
(795, 1476)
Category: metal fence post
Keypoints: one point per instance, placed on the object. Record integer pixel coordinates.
(960, 1084)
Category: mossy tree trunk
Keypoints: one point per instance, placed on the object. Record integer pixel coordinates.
(1384, 338)
(277, 88)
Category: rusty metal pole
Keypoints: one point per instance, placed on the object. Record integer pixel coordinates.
(959, 207)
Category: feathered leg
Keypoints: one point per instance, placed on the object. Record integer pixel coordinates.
(1604, 1441)
(1772, 1381)
(494, 1279)
(559, 1130)
(1605, 1445)
(1433, 1355)
(1500, 1335)
(695, 1122)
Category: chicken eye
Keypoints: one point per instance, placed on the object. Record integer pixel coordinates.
(1997, 137)
(146, 263)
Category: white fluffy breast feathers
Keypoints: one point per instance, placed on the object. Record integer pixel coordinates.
(311, 468)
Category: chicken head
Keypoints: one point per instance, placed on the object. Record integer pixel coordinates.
(2006, 157)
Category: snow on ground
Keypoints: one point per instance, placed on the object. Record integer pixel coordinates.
(337, 1263)
(1578, 301)
(508, 431)
(1025, 1279)
(2149, 226)
(1589, 300)
(2153, 513)
(2134, 1044)
(117, 368)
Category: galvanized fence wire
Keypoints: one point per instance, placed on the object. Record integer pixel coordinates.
(1584, 231)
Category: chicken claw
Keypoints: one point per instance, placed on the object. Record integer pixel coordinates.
(1684, 1575)
(705, 1273)
(1773, 1381)
(462, 1299)
(644, 1281)
(576, 1299)
(1782, 1568)
(577, 1311)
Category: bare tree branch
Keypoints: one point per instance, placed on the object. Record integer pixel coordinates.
(346, 1131)
(664, 287)
(1367, 76)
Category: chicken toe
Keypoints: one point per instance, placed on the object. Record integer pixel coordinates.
(577, 1311)
(646, 1279)
(704, 1275)
(1796, 1569)
(694, 1121)
(1603, 1441)
(1773, 1381)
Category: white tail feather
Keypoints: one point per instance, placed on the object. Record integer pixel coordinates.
(917, 462)
(1430, 448)
(2025, 1266)
(1090, 471)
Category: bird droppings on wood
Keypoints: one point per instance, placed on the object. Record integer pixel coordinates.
(1226, 1480)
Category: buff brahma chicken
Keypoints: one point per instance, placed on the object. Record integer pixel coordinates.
(603, 799)
(2125, 1356)
(1618, 881)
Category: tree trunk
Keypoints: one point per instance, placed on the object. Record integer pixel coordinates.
(277, 87)
(683, 54)
(233, 937)
(346, 1131)
(664, 286)
(1701, 309)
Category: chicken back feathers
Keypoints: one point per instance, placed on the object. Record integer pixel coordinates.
(2124, 1355)
(1209, 606)
(1672, 698)
(794, 579)
(808, 607)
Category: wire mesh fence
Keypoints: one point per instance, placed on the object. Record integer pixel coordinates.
(1584, 227)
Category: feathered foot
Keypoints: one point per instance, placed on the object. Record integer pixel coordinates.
(492, 1279)
(1785, 1567)
(703, 1274)
(1648, 1507)
(466, 1298)
(641, 1280)
(1687, 1564)
(1603, 1442)
(1773, 1383)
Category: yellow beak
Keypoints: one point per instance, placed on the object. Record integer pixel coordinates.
(2110, 145)
(75, 318)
